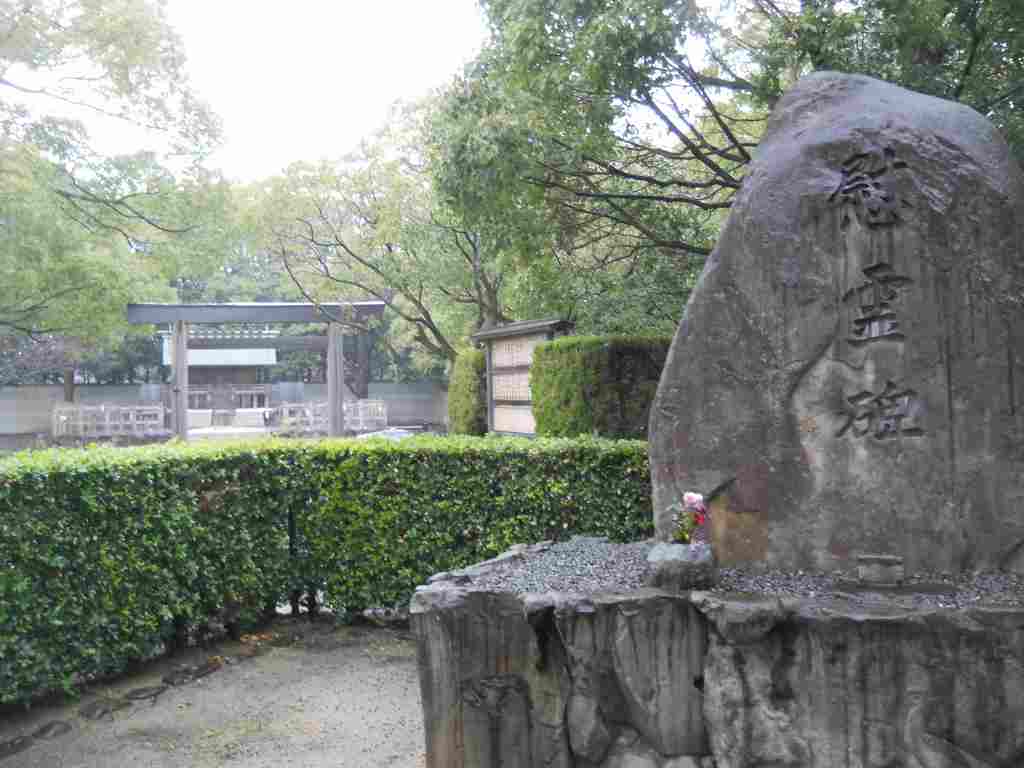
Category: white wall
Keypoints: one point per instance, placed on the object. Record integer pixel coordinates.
(222, 357)
(27, 410)
(423, 402)
(410, 404)
(108, 394)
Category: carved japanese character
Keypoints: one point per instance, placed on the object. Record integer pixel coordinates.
(874, 298)
(867, 187)
(883, 415)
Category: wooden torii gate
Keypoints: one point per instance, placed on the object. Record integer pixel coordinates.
(179, 316)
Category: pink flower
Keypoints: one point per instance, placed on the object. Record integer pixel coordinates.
(694, 501)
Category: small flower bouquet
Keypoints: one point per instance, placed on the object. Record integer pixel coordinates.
(689, 519)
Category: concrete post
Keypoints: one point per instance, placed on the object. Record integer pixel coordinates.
(362, 372)
(489, 382)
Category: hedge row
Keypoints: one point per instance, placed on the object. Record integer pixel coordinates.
(104, 553)
(596, 385)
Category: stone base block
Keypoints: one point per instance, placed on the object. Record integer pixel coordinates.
(681, 567)
(880, 570)
(560, 681)
(653, 679)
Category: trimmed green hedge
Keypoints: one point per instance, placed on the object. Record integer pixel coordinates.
(596, 385)
(467, 394)
(104, 553)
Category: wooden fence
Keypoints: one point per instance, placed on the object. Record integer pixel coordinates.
(108, 421)
(99, 421)
(312, 418)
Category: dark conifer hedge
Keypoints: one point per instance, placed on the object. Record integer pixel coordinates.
(596, 385)
(467, 394)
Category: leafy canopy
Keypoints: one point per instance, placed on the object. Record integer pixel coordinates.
(78, 222)
(645, 113)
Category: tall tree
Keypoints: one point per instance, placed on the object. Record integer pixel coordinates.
(971, 51)
(55, 276)
(78, 223)
(370, 225)
(65, 60)
(117, 64)
(580, 241)
(623, 118)
(340, 235)
(64, 286)
(646, 113)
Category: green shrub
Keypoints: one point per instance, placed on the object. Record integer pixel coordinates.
(100, 550)
(467, 394)
(596, 385)
(104, 551)
(396, 513)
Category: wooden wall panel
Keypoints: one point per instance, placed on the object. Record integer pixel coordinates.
(514, 418)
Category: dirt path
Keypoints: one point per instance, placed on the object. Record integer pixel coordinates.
(299, 695)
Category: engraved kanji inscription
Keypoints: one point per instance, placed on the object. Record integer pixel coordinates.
(867, 187)
(888, 414)
(875, 298)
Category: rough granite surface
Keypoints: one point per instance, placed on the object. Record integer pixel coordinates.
(767, 669)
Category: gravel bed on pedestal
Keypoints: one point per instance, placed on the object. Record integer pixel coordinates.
(590, 564)
(582, 565)
(919, 591)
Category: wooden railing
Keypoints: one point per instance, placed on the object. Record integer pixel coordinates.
(228, 398)
(366, 415)
(305, 418)
(98, 421)
(108, 420)
(312, 418)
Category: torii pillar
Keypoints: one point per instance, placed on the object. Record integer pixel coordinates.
(335, 381)
(180, 370)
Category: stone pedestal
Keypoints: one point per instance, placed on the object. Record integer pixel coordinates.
(651, 679)
(555, 680)
(825, 683)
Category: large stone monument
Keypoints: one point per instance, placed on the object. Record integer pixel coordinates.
(848, 378)
(847, 388)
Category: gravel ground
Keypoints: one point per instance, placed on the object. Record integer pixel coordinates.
(302, 694)
(582, 565)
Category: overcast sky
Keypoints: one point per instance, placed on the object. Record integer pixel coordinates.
(306, 79)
